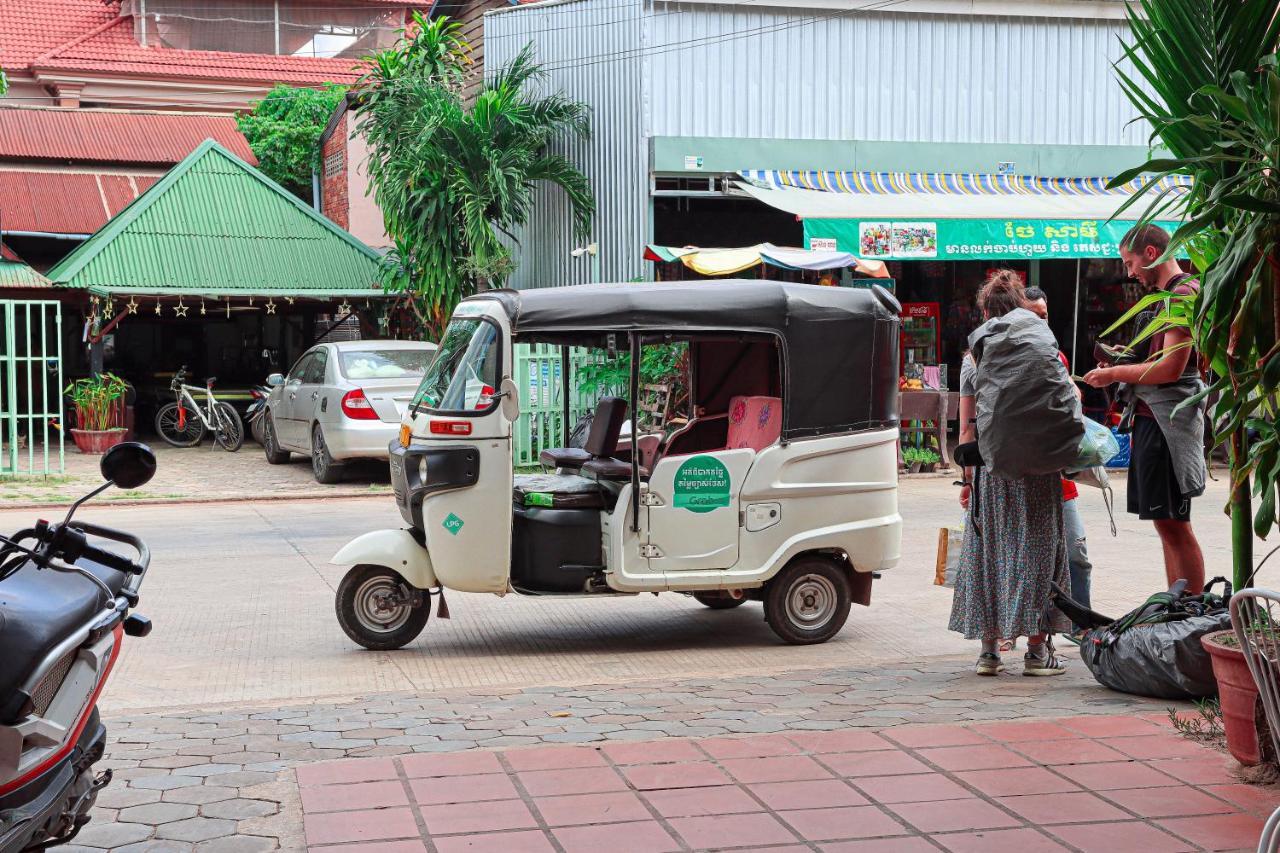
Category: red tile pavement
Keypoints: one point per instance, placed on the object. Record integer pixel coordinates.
(1084, 784)
(745, 830)
(818, 794)
(643, 837)
(890, 762)
(367, 795)
(696, 802)
(999, 841)
(592, 808)
(1126, 835)
(1217, 832)
(986, 757)
(653, 752)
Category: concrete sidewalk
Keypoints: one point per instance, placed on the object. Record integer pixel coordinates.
(1088, 784)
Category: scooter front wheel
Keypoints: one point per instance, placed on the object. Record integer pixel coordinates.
(375, 607)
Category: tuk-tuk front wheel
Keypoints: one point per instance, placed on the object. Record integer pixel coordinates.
(808, 601)
(376, 608)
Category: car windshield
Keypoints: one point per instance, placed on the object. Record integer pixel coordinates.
(464, 374)
(384, 363)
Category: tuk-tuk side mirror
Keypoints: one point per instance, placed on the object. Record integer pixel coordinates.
(275, 380)
(510, 394)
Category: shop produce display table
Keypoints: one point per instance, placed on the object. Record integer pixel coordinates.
(930, 410)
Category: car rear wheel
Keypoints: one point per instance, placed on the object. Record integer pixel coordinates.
(325, 469)
(276, 455)
(808, 602)
(376, 609)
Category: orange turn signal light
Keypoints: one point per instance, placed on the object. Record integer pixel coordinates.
(405, 433)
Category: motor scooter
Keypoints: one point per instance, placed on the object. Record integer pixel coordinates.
(65, 607)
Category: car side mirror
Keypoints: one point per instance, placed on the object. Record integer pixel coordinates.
(275, 380)
(128, 465)
(510, 394)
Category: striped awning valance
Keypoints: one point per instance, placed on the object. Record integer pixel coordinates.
(947, 183)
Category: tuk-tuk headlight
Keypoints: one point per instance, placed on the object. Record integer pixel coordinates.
(422, 468)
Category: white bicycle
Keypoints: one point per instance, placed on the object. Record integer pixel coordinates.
(183, 422)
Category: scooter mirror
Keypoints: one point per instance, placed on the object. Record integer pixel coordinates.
(510, 399)
(128, 465)
(275, 380)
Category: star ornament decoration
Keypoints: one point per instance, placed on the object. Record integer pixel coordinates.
(157, 307)
(345, 307)
(132, 306)
(180, 310)
(271, 306)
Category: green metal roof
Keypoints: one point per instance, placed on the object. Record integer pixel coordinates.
(216, 226)
(18, 274)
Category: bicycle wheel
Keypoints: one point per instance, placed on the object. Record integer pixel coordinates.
(179, 425)
(230, 429)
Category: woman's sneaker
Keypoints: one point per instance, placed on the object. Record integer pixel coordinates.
(989, 664)
(1045, 663)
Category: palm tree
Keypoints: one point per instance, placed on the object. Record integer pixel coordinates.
(1205, 78)
(451, 177)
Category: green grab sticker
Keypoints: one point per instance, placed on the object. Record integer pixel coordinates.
(539, 499)
(701, 485)
(452, 524)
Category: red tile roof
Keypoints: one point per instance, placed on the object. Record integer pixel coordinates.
(65, 202)
(113, 136)
(112, 49)
(29, 29)
(91, 35)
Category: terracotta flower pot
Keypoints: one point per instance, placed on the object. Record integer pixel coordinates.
(1237, 695)
(98, 441)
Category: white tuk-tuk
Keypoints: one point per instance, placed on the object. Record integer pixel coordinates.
(781, 487)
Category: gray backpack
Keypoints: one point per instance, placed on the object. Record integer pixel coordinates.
(1028, 414)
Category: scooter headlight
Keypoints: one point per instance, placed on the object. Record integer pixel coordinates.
(422, 468)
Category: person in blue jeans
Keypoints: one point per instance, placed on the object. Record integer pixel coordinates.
(1077, 545)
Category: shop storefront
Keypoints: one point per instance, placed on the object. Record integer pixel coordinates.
(941, 234)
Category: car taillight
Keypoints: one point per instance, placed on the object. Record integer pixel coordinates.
(256, 394)
(485, 400)
(356, 406)
(451, 427)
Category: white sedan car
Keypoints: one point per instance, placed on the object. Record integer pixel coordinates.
(342, 401)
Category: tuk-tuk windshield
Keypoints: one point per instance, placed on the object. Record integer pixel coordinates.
(464, 375)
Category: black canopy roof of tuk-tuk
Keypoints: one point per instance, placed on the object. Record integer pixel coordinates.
(840, 345)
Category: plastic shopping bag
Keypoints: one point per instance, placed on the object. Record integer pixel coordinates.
(950, 543)
(1096, 447)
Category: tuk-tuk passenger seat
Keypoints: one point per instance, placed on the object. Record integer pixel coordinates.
(602, 438)
(754, 422)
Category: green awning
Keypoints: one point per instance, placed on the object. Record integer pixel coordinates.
(972, 239)
(216, 226)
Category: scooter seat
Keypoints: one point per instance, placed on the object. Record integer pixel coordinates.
(557, 491)
(39, 608)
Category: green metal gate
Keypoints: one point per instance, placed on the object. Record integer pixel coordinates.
(538, 376)
(31, 434)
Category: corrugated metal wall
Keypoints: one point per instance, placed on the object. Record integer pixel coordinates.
(769, 73)
(615, 160)
(677, 69)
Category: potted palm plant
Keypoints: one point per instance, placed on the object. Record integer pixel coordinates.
(1204, 75)
(99, 412)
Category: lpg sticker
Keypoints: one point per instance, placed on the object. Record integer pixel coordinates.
(701, 485)
(452, 524)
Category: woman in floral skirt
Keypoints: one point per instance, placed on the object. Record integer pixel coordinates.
(1015, 544)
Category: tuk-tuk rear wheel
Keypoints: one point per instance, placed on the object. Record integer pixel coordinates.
(375, 607)
(808, 601)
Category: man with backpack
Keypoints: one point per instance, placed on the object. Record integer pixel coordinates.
(1166, 466)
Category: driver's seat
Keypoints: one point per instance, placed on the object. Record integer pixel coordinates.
(602, 439)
